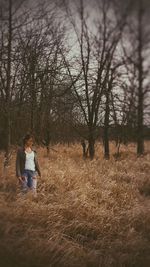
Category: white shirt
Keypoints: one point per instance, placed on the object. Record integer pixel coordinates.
(29, 164)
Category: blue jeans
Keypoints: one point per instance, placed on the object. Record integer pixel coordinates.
(29, 180)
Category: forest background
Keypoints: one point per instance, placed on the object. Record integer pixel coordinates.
(74, 71)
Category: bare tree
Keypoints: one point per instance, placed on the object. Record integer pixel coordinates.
(97, 45)
(137, 64)
(10, 20)
(40, 67)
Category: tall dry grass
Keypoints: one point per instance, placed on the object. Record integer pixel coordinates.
(87, 213)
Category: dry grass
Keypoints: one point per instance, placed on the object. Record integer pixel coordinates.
(87, 213)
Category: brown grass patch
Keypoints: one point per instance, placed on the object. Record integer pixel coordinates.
(87, 213)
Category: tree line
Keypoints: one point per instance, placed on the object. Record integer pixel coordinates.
(71, 71)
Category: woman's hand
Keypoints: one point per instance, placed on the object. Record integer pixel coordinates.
(20, 179)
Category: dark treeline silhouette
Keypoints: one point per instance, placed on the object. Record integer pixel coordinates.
(85, 77)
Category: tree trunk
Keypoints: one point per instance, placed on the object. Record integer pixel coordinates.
(140, 138)
(33, 96)
(91, 142)
(106, 126)
(8, 86)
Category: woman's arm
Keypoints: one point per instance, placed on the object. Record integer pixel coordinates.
(37, 167)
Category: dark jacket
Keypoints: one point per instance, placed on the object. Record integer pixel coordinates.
(20, 162)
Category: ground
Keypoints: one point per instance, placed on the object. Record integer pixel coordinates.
(86, 213)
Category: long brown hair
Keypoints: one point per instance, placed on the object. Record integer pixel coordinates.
(26, 138)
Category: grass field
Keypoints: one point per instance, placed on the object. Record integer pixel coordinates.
(86, 214)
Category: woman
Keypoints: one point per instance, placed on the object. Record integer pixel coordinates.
(27, 166)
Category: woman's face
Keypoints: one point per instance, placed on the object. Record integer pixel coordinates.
(29, 142)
